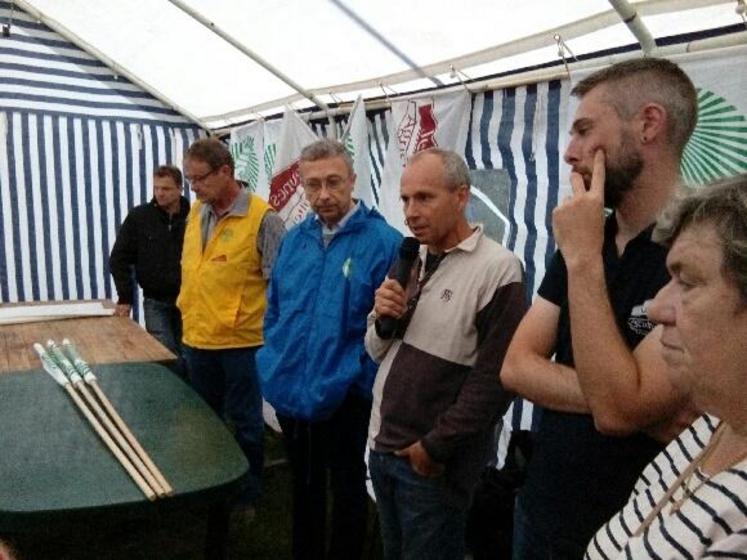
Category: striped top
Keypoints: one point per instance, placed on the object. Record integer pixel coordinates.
(710, 524)
(44, 73)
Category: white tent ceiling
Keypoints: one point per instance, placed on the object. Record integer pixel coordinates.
(344, 47)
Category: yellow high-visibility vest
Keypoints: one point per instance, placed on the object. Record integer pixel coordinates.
(222, 297)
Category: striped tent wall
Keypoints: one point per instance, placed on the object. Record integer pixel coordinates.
(522, 131)
(378, 136)
(78, 146)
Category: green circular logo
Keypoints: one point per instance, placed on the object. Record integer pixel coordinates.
(718, 146)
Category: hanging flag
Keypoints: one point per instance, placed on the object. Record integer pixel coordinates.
(272, 135)
(417, 124)
(247, 148)
(286, 192)
(355, 139)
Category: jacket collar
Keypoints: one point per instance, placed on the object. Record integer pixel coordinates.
(313, 226)
(183, 207)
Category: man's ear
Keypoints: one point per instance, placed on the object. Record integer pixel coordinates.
(652, 122)
(463, 196)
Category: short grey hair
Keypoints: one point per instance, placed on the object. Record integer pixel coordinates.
(633, 83)
(327, 148)
(722, 204)
(456, 172)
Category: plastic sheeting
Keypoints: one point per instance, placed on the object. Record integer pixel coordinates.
(346, 46)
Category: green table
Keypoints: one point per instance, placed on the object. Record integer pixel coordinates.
(54, 468)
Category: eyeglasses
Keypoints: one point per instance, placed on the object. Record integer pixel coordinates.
(333, 183)
(199, 178)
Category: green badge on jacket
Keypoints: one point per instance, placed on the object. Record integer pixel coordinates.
(347, 267)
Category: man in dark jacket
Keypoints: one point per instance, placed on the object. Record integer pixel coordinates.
(150, 240)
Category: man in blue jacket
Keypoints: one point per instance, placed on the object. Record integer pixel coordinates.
(314, 368)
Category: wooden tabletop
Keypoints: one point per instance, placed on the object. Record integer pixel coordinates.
(100, 340)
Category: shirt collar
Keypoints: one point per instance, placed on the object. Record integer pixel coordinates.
(610, 231)
(341, 224)
(239, 207)
(470, 243)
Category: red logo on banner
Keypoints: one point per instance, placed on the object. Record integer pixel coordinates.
(406, 129)
(428, 125)
(284, 185)
(418, 122)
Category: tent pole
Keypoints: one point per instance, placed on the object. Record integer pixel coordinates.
(538, 40)
(256, 58)
(630, 17)
(681, 51)
(116, 68)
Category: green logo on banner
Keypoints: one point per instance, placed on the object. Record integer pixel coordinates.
(349, 146)
(270, 153)
(247, 163)
(718, 146)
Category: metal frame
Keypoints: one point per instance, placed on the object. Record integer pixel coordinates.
(532, 42)
(621, 10)
(112, 64)
(630, 17)
(197, 16)
(676, 52)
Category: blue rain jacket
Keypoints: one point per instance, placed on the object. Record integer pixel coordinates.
(318, 302)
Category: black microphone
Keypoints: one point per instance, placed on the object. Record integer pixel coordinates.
(408, 252)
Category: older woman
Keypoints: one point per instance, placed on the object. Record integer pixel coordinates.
(691, 500)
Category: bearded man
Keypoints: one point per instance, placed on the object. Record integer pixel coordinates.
(607, 403)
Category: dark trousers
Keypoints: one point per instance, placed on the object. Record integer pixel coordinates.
(331, 450)
(416, 519)
(531, 542)
(227, 381)
(163, 321)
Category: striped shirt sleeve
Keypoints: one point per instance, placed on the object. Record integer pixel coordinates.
(712, 523)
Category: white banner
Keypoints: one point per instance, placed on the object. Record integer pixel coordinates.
(254, 148)
(286, 191)
(355, 138)
(247, 149)
(417, 124)
(272, 136)
(718, 146)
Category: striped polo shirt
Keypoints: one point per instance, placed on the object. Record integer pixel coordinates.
(710, 524)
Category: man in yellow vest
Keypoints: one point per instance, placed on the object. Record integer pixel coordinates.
(230, 243)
